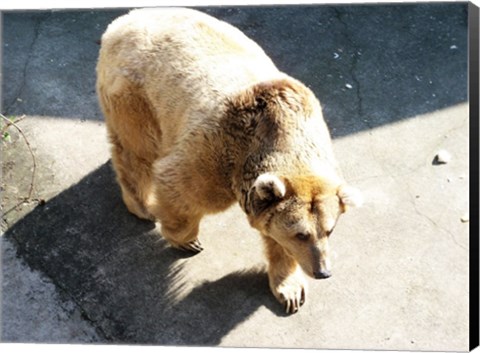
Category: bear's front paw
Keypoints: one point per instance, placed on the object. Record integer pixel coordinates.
(291, 292)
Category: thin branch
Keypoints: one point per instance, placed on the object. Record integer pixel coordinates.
(12, 123)
(16, 121)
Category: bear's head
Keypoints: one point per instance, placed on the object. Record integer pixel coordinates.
(300, 214)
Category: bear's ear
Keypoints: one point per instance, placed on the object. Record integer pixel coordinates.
(281, 94)
(265, 191)
(269, 186)
(271, 96)
(349, 196)
(251, 100)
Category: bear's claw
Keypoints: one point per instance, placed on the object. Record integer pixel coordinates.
(292, 305)
(194, 246)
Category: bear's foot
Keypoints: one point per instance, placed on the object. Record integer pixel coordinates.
(136, 207)
(292, 297)
(294, 300)
(290, 292)
(193, 247)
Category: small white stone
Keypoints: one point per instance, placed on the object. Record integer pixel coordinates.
(453, 47)
(443, 157)
(336, 55)
(465, 218)
(349, 86)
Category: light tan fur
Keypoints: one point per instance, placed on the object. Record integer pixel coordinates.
(199, 118)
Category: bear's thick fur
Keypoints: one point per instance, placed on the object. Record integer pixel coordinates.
(199, 118)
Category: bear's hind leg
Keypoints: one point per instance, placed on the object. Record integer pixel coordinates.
(133, 175)
(172, 204)
(182, 232)
(135, 138)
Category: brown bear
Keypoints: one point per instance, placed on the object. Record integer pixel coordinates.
(199, 118)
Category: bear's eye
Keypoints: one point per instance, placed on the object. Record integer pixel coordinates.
(302, 236)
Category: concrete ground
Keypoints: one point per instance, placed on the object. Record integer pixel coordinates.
(77, 267)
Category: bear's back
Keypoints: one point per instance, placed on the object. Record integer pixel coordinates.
(185, 62)
(185, 49)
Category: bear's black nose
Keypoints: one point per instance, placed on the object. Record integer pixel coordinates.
(322, 274)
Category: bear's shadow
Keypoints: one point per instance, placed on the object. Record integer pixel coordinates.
(126, 280)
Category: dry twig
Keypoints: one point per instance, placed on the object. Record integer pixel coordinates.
(9, 123)
(14, 124)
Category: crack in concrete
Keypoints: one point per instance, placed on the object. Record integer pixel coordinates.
(354, 62)
(426, 216)
(83, 313)
(94, 323)
(36, 33)
(434, 223)
(357, 87)
(63, 293)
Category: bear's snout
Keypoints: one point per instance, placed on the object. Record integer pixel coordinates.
(321, 260)
(322, 274)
